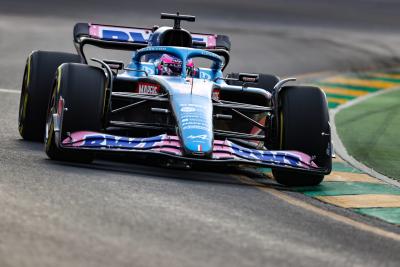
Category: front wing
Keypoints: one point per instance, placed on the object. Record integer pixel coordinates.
(224, 151)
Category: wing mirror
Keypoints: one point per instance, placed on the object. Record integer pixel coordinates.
(245, 78)
(114, 64)
(248, 77)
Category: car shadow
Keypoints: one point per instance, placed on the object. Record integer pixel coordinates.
(143, 167)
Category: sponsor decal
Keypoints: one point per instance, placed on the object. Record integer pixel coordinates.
(205, 75)
(249, 79)
(200, 136)
(188, 109)
(138, 35)
(110, 141)
(159, 143)
(209, 39)
(153, 48)
(207, 53)
(148, 88)
(192, 117)
(215, 94)
(120, 34)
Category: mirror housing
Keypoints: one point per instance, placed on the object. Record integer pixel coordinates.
(114, 64)
(248, 77)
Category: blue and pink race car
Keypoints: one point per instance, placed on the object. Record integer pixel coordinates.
(172, 102)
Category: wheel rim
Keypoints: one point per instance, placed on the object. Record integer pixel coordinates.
(23, 102)
(49, 121)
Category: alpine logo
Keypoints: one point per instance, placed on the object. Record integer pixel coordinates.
(148, 89)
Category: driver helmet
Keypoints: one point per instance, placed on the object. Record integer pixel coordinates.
(172, 66)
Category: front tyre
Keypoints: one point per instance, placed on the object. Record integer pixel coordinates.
(304, 126)
(82, 90)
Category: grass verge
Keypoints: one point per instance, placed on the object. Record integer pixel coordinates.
(370, 131)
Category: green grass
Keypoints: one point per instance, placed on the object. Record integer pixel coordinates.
(370, 131)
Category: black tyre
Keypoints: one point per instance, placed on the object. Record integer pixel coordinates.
(265, 81)
(35, 92)
(83, 89)
(304, 126)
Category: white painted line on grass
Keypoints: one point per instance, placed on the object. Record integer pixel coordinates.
(9, 91)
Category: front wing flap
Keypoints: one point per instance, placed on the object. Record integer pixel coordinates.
(168, 145)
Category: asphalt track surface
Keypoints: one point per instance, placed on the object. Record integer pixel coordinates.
(118, 214)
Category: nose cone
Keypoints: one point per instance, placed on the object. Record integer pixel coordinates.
(192, 107)
(197, 143)
(194, 115)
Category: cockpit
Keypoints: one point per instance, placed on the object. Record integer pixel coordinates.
(168, 65)
(177, 61)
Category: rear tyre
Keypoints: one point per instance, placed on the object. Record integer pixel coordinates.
(36, 89)
(304, 126)
(82, 88)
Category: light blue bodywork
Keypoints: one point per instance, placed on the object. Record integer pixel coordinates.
(190, 98)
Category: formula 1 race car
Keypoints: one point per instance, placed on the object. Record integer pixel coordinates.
(173, 103)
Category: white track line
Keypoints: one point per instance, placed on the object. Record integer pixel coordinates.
(9, 91)
(341, 150)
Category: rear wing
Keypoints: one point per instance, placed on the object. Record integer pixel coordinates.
(128, 38)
